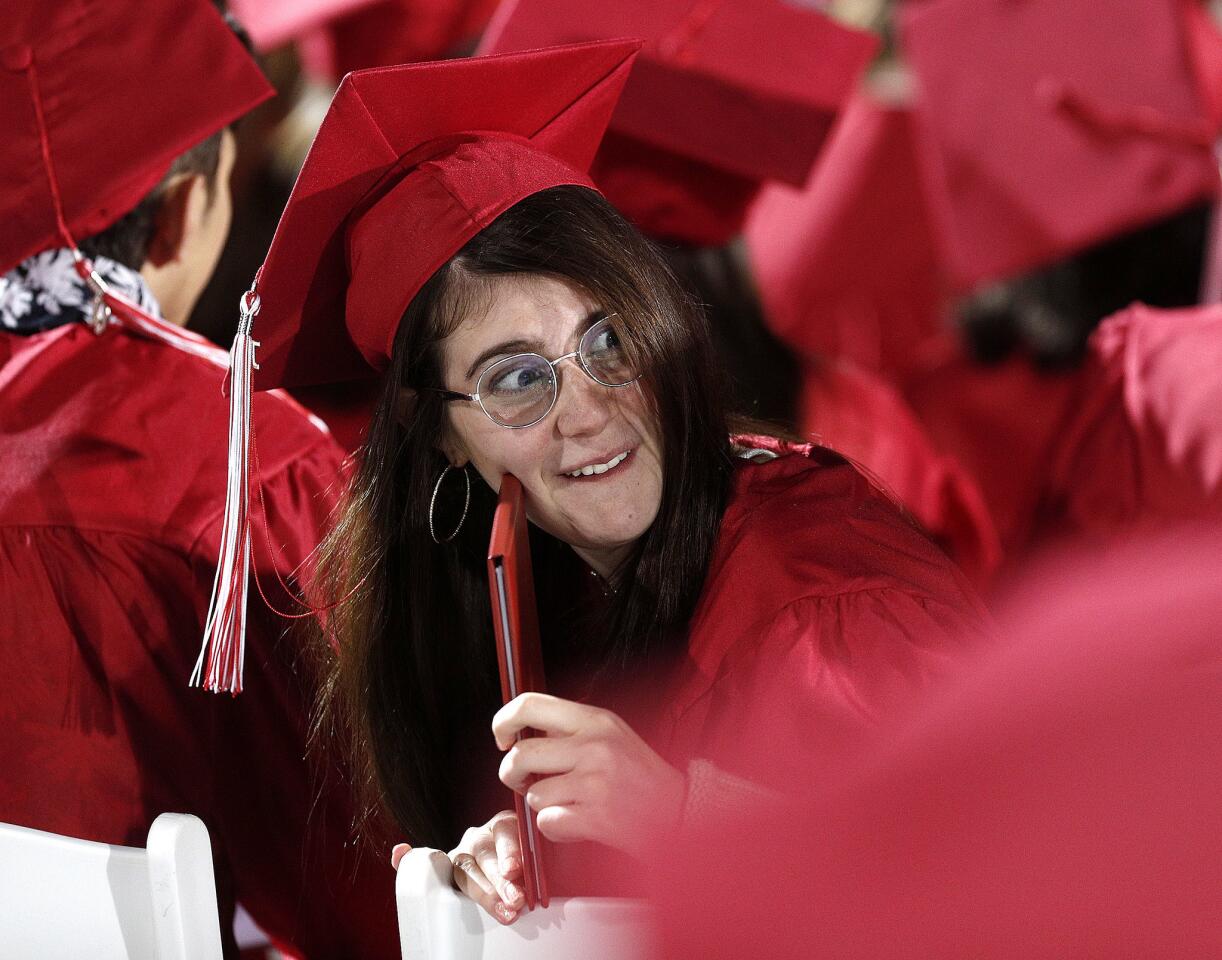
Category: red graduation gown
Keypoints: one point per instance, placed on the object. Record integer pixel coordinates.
(112, 468)
(863, 417)
(1143, 444)
(1131, 439)
(823, 612)
(1001, 423)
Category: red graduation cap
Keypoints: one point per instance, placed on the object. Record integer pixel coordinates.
(1051, 125)
(726, 94)
(273, 22)
(848, 265)
(389, 32)
(124, 87)
(409, 164)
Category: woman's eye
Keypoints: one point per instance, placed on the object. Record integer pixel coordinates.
(519, 379)
(605, 340)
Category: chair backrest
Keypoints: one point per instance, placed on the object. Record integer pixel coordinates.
(65, 898)
(436, 922)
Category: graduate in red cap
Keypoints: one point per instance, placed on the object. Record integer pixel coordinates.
(445, 241)
(1065, 187)
(706, 123)
(116, 205)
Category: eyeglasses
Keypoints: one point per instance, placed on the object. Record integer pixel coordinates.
(521, 390)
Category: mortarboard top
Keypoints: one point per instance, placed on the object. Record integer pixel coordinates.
(125, 87)
(726, 94)
(274, 22)
(409, 164)
(848, 265)
(1051, 125)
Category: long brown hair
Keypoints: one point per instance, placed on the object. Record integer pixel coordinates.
(409, 665)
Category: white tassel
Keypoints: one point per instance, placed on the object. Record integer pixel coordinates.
(219, 667)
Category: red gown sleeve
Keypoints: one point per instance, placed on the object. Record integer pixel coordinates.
(827, 673)
(1145, 445)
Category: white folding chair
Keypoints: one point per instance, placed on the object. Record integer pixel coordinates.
(436, 922)
(64, 898)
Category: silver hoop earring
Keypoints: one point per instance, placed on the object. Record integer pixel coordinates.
(433, 503)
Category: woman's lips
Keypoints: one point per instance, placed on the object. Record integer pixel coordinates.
(613, 464)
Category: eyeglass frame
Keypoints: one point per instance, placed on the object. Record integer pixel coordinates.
(449, 395)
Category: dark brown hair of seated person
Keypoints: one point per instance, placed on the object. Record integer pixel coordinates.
(127, 240)
(765, 375)
(408, 664)
(1048, 315)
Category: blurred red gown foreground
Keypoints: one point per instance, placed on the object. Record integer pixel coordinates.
(109, 520)
(1060, 799)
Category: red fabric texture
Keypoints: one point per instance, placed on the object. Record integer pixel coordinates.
(1205, 48)
(823, 612)
(1001, 423)
(422, 221)
(848, 266)
(1056, 799)
(1131, 439)
(670, 197)
(106, 83)
(409, 164)
(729, 118)
(867, 420)
(1033, 151)
(111, 457)
(1144, 444)
(388, 32)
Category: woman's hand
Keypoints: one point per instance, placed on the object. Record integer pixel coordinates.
(591, 777)
(486, 864)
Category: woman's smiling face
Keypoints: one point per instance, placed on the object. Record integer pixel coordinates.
(600, 514)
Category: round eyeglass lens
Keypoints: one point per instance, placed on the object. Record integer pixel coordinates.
(517, 391)
(603, 355)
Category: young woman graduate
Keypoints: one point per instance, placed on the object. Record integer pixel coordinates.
(444, 237)
(705, 125)
(115, 165)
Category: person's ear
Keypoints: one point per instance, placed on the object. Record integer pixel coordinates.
(183, 202)
(454, 450)
(450, 446)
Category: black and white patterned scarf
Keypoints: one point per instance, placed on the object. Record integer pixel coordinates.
(45, 291)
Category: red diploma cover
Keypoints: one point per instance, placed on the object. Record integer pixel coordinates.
(516, 622)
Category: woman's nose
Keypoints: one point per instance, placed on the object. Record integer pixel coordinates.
(583, 406)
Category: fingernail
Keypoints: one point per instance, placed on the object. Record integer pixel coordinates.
(504, 914)
(512, 893)
(398, 852)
